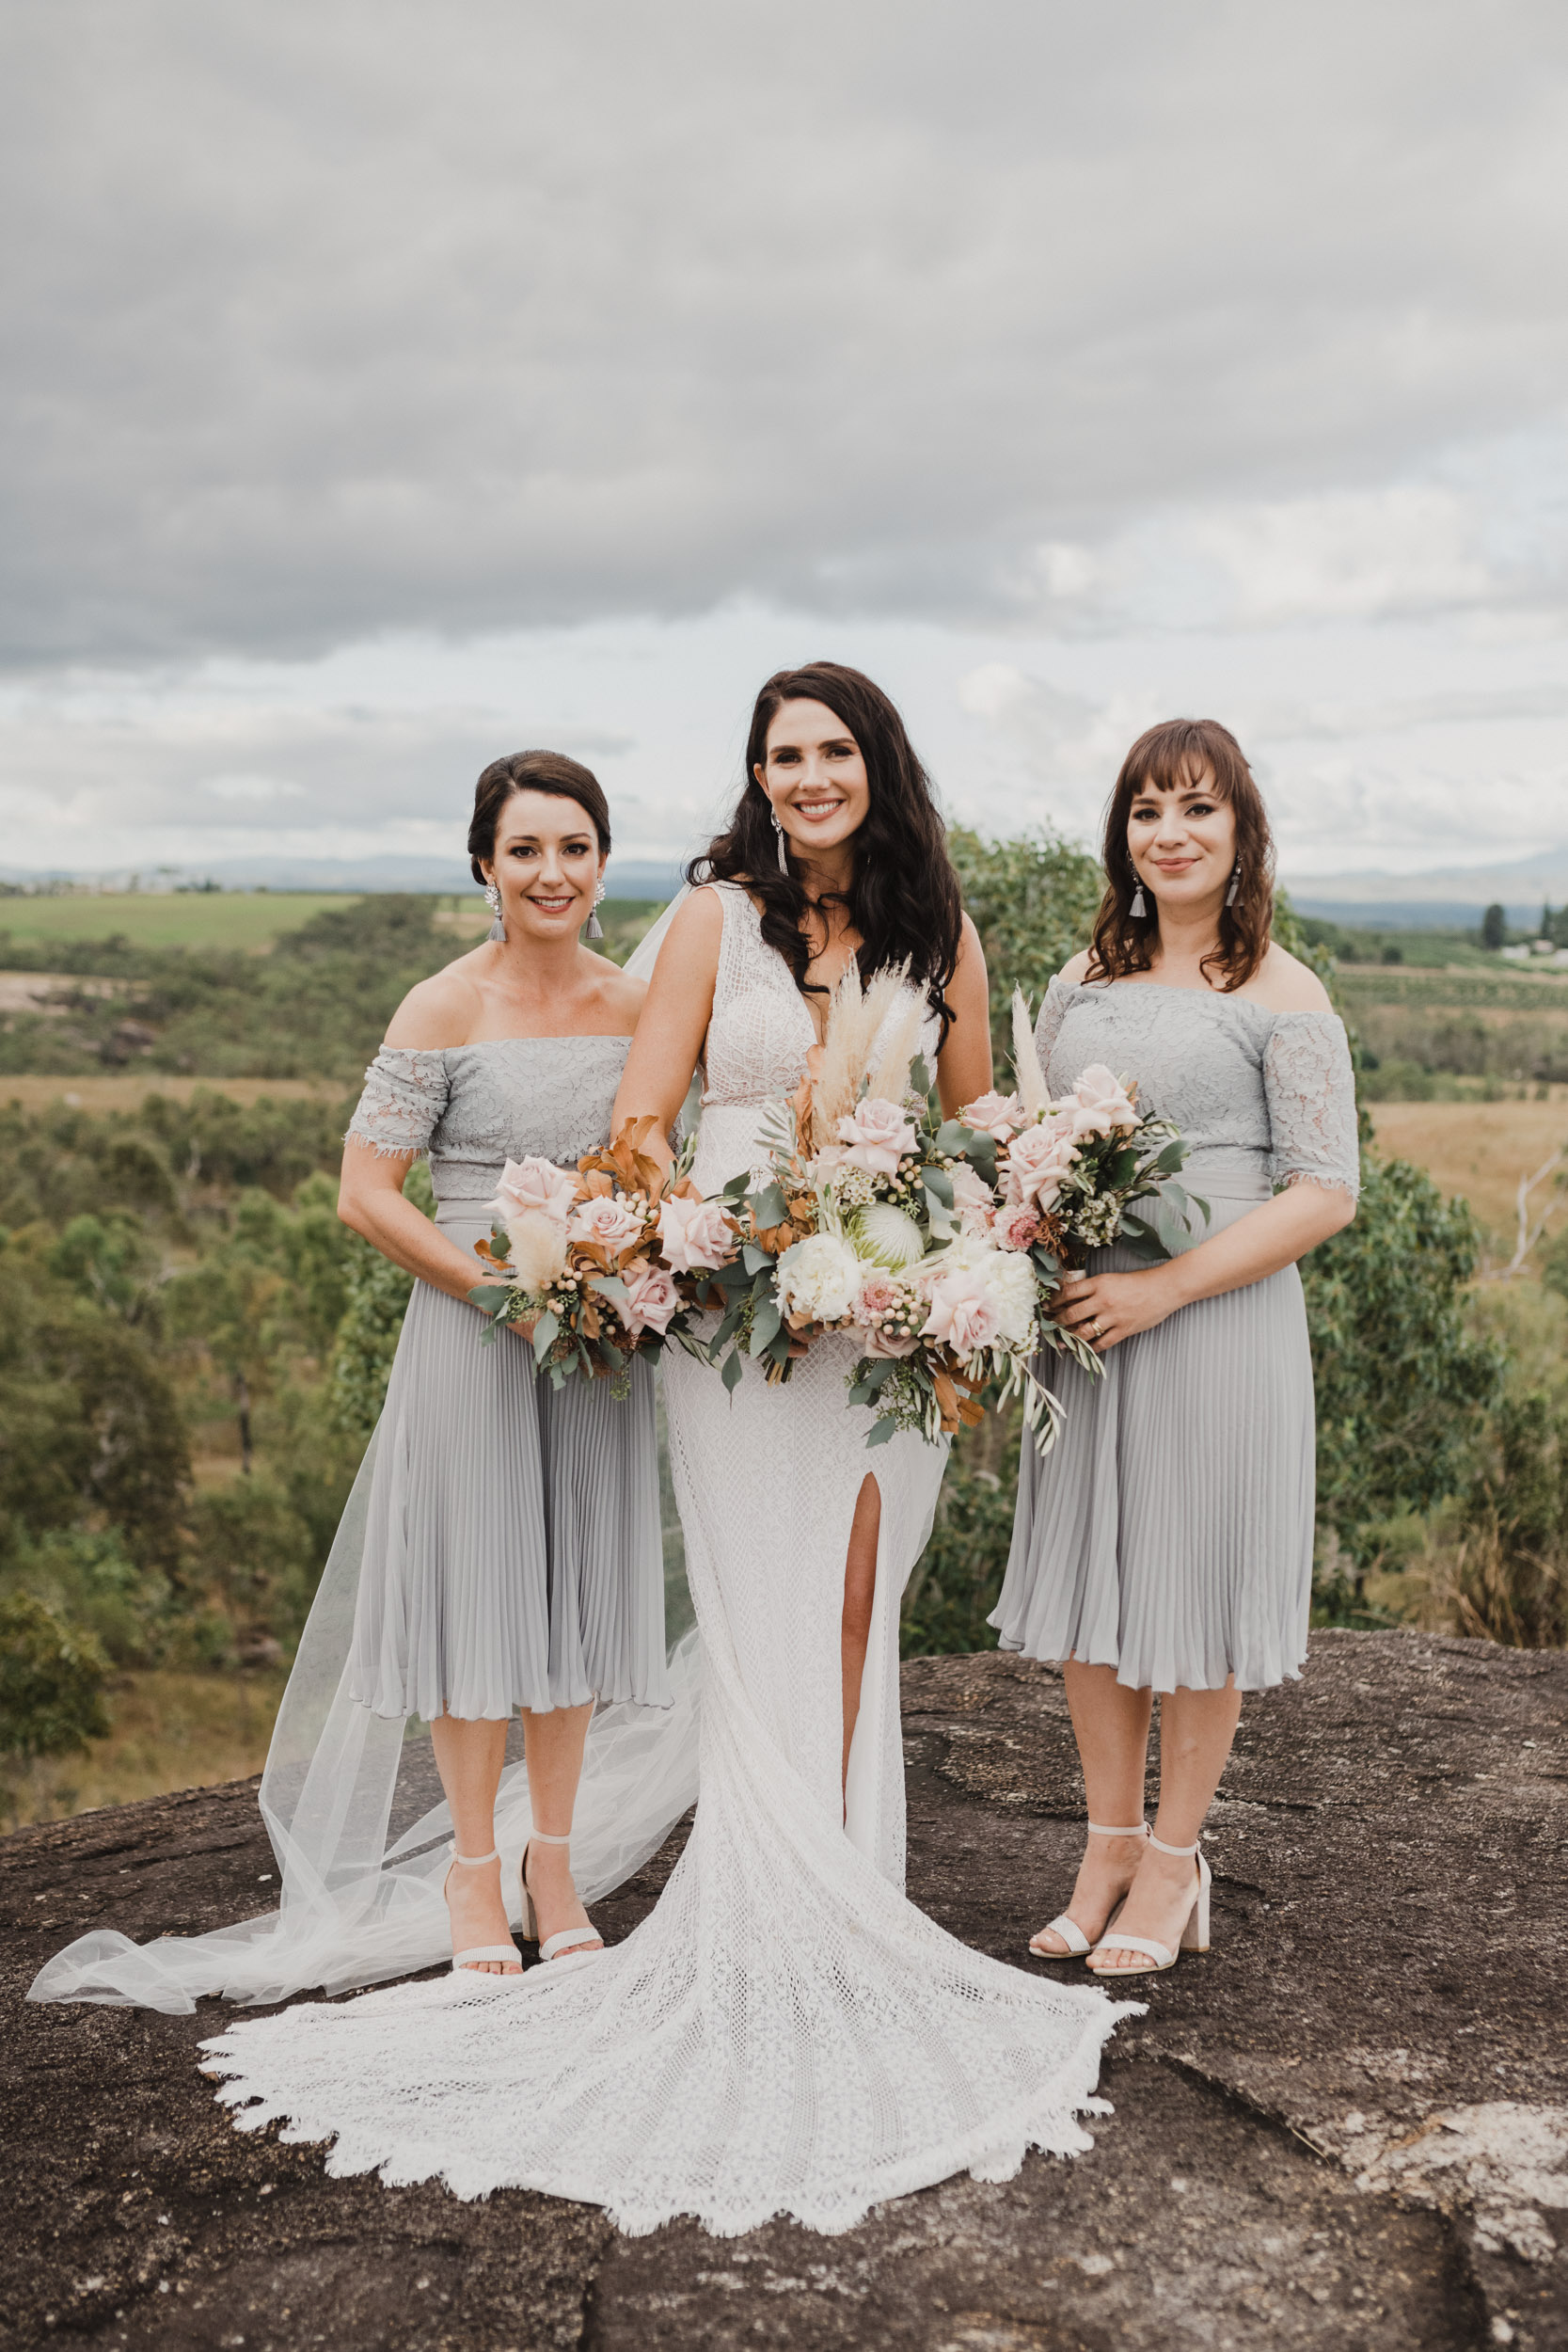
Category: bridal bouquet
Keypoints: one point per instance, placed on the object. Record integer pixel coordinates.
(607, 1260)
(939, 1244)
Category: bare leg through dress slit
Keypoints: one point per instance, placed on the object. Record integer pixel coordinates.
(860, 1600)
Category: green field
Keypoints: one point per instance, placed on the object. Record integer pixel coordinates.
(234, 919)
(194, 918)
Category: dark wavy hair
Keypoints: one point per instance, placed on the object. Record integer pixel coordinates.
(904, 897)
(531, 772)
(1170, 757)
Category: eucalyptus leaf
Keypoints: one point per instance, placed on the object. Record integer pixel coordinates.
(938, 1181)
(544, 1333)
(769, 1206)
(733, 1371)
(764, 1326)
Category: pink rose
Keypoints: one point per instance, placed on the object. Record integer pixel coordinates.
(1016, 1228)
(1100, 1103)
(695, 1235)
(605, 1220)
(536, 1184)
(651, 1297)
(963, 1313)
(994, 1114)
(877, 1134)
(1037, 1160)
(972, 1198)
(877, 1343)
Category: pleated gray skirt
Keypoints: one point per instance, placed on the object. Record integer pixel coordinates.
(1170, 1531)
(513, 1555)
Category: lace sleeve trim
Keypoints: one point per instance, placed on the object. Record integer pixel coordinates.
(405, 1093)
(1311, 1098)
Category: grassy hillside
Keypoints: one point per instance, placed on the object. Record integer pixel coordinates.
(190, 918)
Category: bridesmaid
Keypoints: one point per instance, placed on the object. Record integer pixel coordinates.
(513, 1555)
(1166, 1543)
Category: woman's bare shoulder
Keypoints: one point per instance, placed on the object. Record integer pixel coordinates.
(1284, 984)
(620, 994)
(439, 1011)
(698, 926)
(1076, 967)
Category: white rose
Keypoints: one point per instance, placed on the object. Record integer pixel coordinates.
(819, 1277)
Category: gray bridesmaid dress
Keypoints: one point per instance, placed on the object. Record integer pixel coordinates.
(512, 1553)
(1169, 1533)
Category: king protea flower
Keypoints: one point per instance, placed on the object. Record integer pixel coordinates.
(886, 1236)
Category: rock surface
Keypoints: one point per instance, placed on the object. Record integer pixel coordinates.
(1346, 2126)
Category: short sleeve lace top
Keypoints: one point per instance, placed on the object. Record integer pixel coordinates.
(473, 1108)
(1264, 1099)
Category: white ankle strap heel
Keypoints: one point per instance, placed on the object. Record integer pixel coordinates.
(1195, 1934)
(569, 1939)
(480, 1952)
(1068, 1930)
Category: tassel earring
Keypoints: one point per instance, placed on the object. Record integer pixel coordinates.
(1138, 909)
(493, 900)
(783, 854)
(595, 928)
(1235, 886)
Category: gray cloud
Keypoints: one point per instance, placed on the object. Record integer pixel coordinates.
(322, 322)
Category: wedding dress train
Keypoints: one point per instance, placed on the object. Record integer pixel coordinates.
(784, 2033)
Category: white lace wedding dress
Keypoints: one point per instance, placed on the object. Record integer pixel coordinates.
(784, 2033)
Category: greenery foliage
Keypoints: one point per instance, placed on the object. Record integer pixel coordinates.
(315, 1006)
(1033, 899)
(51, 1682)
(194, 1349)
(1402, 1386)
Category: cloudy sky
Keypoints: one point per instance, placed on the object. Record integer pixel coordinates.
(387, 386)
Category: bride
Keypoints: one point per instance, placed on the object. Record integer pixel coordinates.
(784, 2033)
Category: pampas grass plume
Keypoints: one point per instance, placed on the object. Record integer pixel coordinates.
(538, 1251)
(1026, 1061)
(854, 1019)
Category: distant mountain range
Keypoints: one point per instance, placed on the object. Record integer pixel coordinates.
(1440, 899)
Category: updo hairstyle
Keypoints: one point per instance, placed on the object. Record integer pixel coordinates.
(531, 772)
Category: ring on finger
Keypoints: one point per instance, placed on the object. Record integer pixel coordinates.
(1096, 1329)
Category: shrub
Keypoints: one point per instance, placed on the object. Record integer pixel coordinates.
(959, 1575)
(1403, 1386)
(51, 1682)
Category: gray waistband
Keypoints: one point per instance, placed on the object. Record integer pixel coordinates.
(464, 1213)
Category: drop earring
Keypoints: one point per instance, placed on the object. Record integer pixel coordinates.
(595, 928)
(493, 900)
(783, 854)
(1235, 886)
(1137, 911)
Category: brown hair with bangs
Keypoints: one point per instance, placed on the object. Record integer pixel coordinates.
(1171, 757)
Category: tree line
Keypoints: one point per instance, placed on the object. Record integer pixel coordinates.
(193, 1349)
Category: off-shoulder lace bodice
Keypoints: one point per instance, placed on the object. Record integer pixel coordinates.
(473, 1108)
(1262, 1098)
